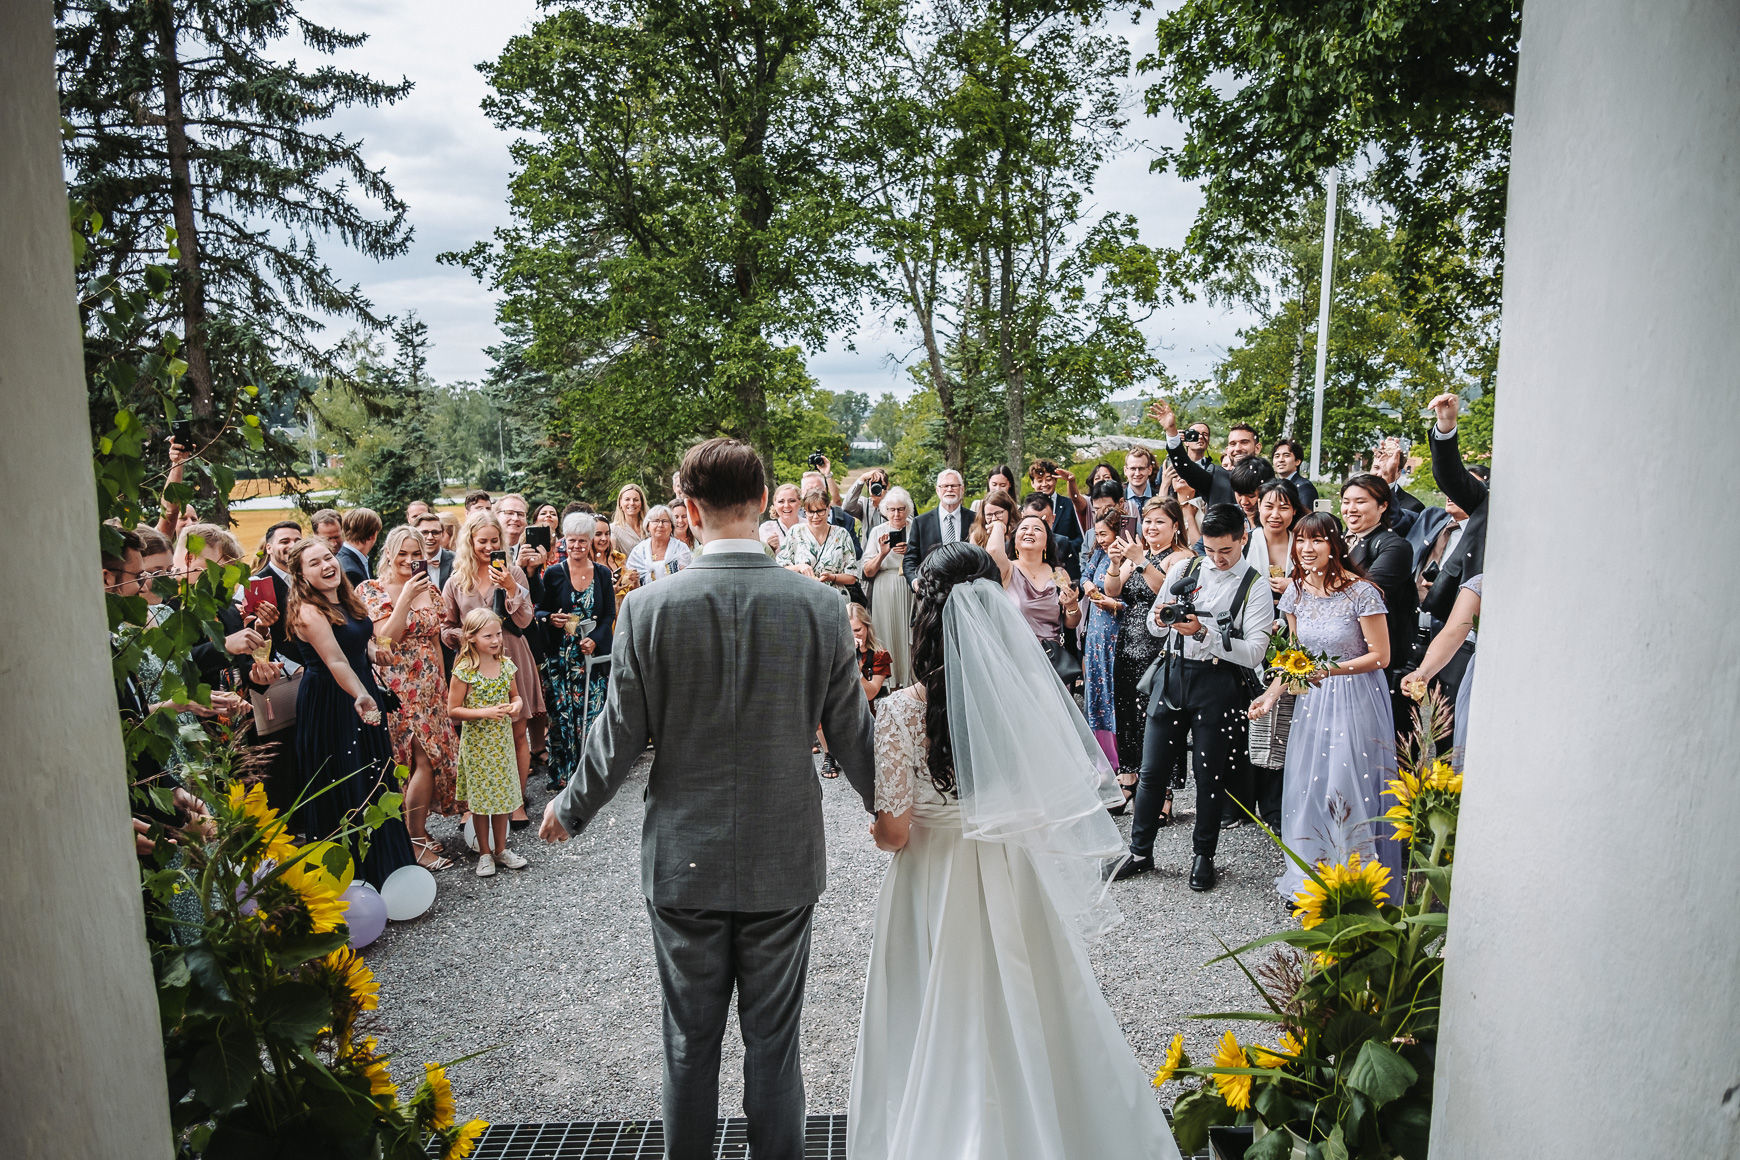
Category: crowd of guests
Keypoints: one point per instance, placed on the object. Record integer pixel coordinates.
(472, 648)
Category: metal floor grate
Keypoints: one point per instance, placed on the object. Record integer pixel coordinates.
(824, 1139)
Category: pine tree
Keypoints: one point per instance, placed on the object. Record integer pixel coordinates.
(180, 126)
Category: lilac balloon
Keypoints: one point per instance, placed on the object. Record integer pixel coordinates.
(367, 916)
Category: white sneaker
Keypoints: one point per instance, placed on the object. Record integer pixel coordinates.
(511, 860)
(485, 866)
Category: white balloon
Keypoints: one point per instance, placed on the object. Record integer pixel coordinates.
(408, 892)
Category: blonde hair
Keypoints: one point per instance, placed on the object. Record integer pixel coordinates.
(302, 592)
(475, 622)
(229, 548)
(639, 525)
(858, 614)
(465, 556)
(390, 547)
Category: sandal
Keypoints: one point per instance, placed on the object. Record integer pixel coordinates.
(1165, 818)
(430, 846)
(830, 767)
(1123, 807)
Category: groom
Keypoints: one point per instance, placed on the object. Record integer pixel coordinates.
(728, 666)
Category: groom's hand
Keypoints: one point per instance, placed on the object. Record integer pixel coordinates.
(551, 829)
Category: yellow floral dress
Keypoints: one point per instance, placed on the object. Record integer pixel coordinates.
(489, 776)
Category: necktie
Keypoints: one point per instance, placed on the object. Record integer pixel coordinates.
(949, 528)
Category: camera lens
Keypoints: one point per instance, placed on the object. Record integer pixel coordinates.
(877, 489)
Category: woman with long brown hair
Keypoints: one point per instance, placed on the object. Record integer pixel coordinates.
(628, 521)
(1341, 752)
(342, 747)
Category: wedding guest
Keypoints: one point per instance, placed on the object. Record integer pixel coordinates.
(786, 512)
(219, 666)
(1001, 507)
(405, 607)
(1289, 461)
(1102, 497)
(1341, 752)
(513, 510)
(822, 478)
(1387, 560)
(575, 592)
(1247, 477)
(1206, 698)
(1161, 545)
(414, 509)
(437, 559)
(477, 500)
(342, 747)
(1103, 572)
(623, 579)
(1270, 548)
(480, 582)
(1191, 463)
(169, 518)
(548, 517)
(946, 523)
(1002, 478)
(875, 666)
(681, 532)
(863, 501)
(329, 526)
(818, 547)
(1035, 581)
(449, 529)
(485, 694)
(1465, 487)
(628, 521)
(659, 555)
(283, 778)
(890, 596)
(361, 527)
(1139, 481)
(1104, 472)
(1066, 515)
(1457, 633)
(1189, 502)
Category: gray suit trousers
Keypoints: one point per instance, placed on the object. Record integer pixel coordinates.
(702, 955)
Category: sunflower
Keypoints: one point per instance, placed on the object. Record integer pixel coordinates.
(441, 1097)
(250, 802)
(1285, 1053)
(1175, 1059)
(354, 975)
(1350, 882)
(374, 1066)
(1234, 1089)
(464, 1139)
(1295, 663)
(314, 889)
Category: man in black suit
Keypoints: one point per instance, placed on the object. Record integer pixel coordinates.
(1388, 560)
(1191, 460)
(1064, 523)
(361, 528)
(1289, 461)
(1460, 486)
(439, 559)
(947, 523)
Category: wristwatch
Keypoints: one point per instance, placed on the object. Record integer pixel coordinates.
(1200, 635)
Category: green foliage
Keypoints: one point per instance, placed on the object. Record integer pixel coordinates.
(848, 410)
(1273, 94)
(886, 421)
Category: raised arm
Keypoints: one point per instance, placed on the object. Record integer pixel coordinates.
(1454, 479)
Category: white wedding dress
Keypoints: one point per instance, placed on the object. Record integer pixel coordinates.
(984, 1034)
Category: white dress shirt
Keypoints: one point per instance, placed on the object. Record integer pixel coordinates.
(948, 525)
(1214, 593)
(719, 547)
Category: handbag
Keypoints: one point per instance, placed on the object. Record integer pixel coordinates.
(275, 707)
(1269, 734)
(1064, 662)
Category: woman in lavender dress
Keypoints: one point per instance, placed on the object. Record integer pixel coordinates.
(1341, 752)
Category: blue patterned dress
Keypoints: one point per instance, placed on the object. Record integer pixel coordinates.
(1099, 650)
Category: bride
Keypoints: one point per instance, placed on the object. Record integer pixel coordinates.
(984, 1032)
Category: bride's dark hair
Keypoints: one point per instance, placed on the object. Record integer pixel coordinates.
(946, 566)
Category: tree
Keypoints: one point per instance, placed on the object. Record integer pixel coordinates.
(679, 233)
(1272, 94)
(848, 410)
(886, 421)
(179, 125)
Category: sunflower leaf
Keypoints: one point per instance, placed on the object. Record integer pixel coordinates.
(1380, 1073)
(295, 1011)
(1194, 1114)
(1277, 1145)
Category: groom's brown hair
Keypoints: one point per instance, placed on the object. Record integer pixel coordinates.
(723, 476)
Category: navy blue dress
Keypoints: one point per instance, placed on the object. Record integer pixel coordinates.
(336, 749)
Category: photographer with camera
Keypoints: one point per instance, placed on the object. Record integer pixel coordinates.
(1213, 618)
(863, 501)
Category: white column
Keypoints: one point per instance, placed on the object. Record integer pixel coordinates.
(81, 1057)
(1592, 1003)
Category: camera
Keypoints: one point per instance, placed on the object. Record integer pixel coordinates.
(1192, 435)
(877, 487)
(817, 459)
(1182, 609)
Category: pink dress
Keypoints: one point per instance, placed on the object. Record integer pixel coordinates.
(457, 603)
(413, 670)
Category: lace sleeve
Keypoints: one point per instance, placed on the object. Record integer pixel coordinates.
(1367, 599)
(899, 755)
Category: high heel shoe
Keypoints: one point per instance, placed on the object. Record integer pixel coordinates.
(1165, 818)
(1123, 808)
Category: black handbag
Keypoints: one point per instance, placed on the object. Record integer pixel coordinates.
(1064, 662)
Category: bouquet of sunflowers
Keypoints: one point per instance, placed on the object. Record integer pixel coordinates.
(1294, 663)
(1344, 1069)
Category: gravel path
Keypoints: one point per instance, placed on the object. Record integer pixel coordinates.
(552, 966)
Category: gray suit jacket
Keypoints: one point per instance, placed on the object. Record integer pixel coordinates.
(728, 666)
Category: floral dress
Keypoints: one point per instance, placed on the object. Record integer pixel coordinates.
(566, 671)
(489, 775)
(412, 669)
(1099, 650)
(800, 547)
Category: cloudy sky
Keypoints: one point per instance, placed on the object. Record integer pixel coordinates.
(451, 166)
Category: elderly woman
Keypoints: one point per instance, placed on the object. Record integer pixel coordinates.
(579, 606)
(818, 548)
(628, 521)
(890, 594)
(661, 553)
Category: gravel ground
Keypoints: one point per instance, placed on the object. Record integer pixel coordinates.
(552, 967)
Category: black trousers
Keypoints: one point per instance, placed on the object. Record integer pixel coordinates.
(702, 956)
(1214, 717)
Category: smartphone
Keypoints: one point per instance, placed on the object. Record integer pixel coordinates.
(498, 560)
(897, 537)
(419, 567)
(260, 591)
(538, 536)
(181, 430)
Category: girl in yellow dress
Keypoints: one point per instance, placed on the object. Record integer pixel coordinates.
(484, 694)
